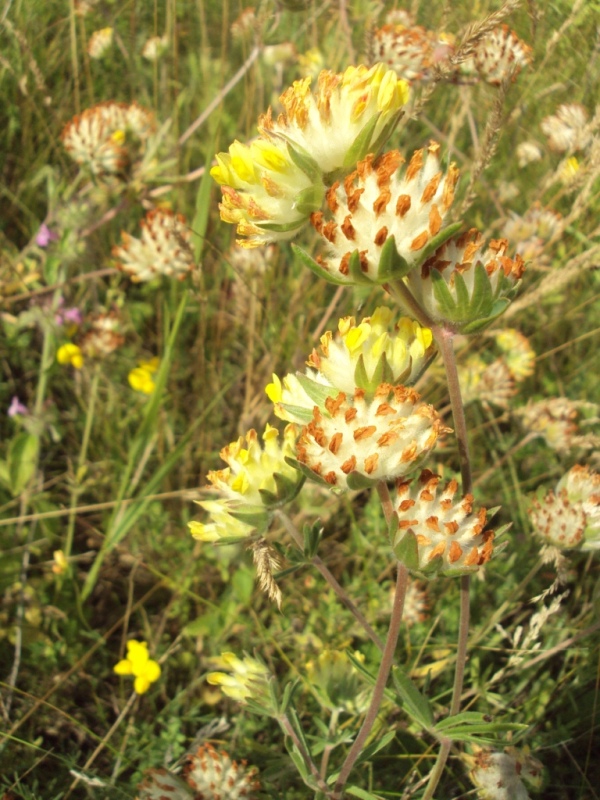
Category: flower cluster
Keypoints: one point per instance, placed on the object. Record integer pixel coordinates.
(567, 130)
(141, 379)
(380, 200)
(100, 42)
(556, 420)
(255, 481)
(163, 249)
(271, 186)
(436, 534)
(419, 54)
(246, 679)
(569, 517)
(107, 137)
(374, 351)
(337, 682)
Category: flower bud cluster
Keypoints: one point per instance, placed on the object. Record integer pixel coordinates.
(256, 480)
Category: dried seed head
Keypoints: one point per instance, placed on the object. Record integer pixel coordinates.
(163, 249)
(213, 775)
(501, 56)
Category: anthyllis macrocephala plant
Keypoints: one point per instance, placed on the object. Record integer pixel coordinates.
(356, 420)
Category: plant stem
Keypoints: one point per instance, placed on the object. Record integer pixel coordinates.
(337, 588)
(76, 490)
(382, 677)
(289, 730)
(445, 341)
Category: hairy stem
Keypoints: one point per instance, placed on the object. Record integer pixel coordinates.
(385, 667)
(288, 728)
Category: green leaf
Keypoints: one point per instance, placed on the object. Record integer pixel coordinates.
(318, 270)
(437, 241)
(462, 297)
(288, 695)
(312, 538)
(304, 161)
(282, 227)
(443, 295)
(482, 301)
(356, 791)
(300, 412)
(310, 199)
(413, 702)
(203, 206)
(257, 516)
(357, 481)
(392, 266)
(22, 461)
(287, 490)
(318, 392)
(356, 272)
(406, 549)
(306, 471)
(362, 145)
(386, 132)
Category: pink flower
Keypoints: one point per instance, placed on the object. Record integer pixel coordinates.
(16, 408)
(44, 236)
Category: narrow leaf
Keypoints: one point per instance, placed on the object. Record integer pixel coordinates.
(318, 270)
(413, 702)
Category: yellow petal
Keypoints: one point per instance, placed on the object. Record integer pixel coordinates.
(123, 667)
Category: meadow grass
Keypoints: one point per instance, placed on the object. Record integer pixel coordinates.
(98, 481)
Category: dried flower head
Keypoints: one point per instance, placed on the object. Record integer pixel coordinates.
(213, 775)
(265, 193)
(527, 153)
(107, 138)
(160, 784)
(464, 286)
(555, 419)
(488, 383)
(256, 480)
(351, 442)
(517, 352)
(245, 25)
(416, 603)
(501, 55)
(163, 249)
(348, 115)
(337, 682)
(100, 42)
(103, 335)
(155, 47)
(373, 352)
(380, 200)
(570, 516)
(500, 776)
(532, 231)
(436, 534)
(566, 130)
(408, 50)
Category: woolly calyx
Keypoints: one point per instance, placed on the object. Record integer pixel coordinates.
(256, 481)
(365, 355)
(384, 220)
(464, 288)
(265, 193)
(352, 443)
(164, 248)
(435, 535)
(347, 116)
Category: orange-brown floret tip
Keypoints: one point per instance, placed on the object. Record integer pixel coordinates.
(450, 537)
(380, 437)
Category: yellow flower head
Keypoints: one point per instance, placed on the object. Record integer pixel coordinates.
(245, 679)
(141, 378)
(70, 353)
(139, 664)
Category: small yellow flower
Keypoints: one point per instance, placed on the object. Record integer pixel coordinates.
(139, 664)
(60, 565)
(141, 378)
(70, 354)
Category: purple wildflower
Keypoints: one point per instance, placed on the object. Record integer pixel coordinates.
(16, 408)
(44, 236)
